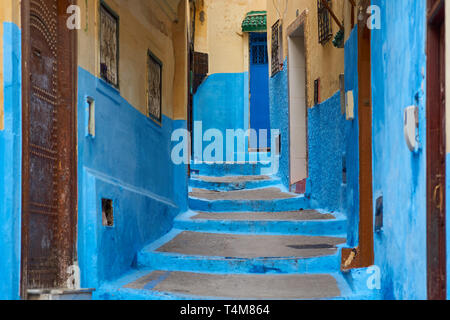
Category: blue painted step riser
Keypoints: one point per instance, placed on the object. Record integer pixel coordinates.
(217, 170)
(171, 262)
(113, 293)
(331, 228)
(200, 184)
(141, 295)
(293, 204)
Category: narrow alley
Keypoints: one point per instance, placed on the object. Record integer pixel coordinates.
(271, 249)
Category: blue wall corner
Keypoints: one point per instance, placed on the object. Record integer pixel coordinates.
(10, 165)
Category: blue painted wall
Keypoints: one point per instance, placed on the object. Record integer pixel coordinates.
(129, 162)
(221, 102)
(10, 165)
(279, 118)
(398, 81)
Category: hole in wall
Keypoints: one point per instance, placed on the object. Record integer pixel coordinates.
(344, 170)
(107, 213)
(91, 117)
(278, 147)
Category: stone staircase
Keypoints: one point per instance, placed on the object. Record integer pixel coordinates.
(244, 237)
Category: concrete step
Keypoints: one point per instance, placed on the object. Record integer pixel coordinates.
(258, 194)
(307, 222)
(168, 285)
(232, 183)
(238, 253)
(258, 200)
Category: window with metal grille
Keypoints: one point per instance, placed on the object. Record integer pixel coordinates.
(154, 87)
(277, 49)
(109, 45)
(325, 31)
(259, 54)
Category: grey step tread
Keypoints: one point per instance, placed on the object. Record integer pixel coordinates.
(232, 179)
(306, 215)
(250, 246)
(235, 286)
(258, 194)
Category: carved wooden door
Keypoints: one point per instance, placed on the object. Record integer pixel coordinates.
(49, 137)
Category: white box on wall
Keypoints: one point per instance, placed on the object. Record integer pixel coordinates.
(349, 106)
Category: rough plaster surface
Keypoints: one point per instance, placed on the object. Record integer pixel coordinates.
(326, 150)
(279, 119)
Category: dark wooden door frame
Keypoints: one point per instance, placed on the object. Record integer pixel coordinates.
(366, 245)
(436, 153)
(67, 98)
(363, 256)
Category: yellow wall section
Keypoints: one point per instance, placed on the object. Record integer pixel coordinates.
(180, 85)
(220, 35)
(144, 25)
(9, 12)
(324, 62)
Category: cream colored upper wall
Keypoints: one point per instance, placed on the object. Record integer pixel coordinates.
(220, 34)
(324, 62)
(9, 12)
(143, 26)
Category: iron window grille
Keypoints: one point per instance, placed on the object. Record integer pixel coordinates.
(109, 45)
(259, 53)
(325, 30)
(277, 47)
(154, 87)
